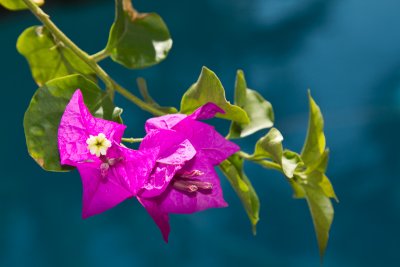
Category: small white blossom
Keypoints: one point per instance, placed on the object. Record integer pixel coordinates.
(98, 145)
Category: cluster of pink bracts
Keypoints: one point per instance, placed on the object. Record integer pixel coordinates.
(171, 172)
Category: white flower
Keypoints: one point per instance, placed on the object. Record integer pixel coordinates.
(98, 145)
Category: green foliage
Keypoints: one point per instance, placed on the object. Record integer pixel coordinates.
(232, 168)
(305, 172)
(48, 58)
(18, 4)
(208, 88)
(137, 40)
(258, 110)
(46, 108)
(314, 145)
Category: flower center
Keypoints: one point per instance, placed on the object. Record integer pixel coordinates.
(98, 145)
(186, 182)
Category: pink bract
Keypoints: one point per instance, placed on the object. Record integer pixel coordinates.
(163, 195)
(76, 125)
(109, 179)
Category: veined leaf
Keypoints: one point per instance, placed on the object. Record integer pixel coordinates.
(137, 40)
(44, 113)
(258, 110)
(49, 58)
(18, 4)
(208, 88)
(233, 170)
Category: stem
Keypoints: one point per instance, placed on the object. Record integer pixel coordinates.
(132, 140)
(137, 101)
(99, 56)
(111, 86)
(265, 163)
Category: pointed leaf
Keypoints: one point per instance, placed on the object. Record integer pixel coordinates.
(258, 110)
(18, 4)
(43, 116)
(314, 145)
(321, 211)
(232, 168)
(208, 88)
(49, 58)
(270, 147)
(137, 40)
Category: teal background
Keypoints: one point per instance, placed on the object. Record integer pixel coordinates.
(347, 52)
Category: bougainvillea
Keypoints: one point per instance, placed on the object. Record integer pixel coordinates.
(185, 182)
(173, 170)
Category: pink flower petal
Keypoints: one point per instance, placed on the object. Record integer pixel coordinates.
(176, 201)
(99, 193)
(174, 152)
(205, 138)
(163, 122)
(76, 125)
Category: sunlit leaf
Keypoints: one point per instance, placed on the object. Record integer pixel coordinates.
(233, 170)
(270, 147)
(321, 210)
(314, 145)
(258, 110)
(18, 4)
(46, 108)
(49, 58)
(208, 88)
(137, 40)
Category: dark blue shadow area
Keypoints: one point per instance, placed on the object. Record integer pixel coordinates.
(347, 52)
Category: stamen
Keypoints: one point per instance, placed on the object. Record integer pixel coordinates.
(185, 186)
(202, 185)
(104, 170)
(191, 174)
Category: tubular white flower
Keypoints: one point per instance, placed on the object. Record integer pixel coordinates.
(98, 145)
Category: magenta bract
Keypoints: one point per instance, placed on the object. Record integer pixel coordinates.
(107, 179)
(187, 181)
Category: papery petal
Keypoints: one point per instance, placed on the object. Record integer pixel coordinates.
(206, 112)
(99, 193)
(132, 167)
(75, 127)
(160, 218)
(163, 122)
(176, 201)
(174, 151)
(204, 137)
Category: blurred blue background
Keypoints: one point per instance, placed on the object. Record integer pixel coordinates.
(347, 52)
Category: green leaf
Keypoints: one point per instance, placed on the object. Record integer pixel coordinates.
(47, 57)
(321, 210)
(208, 88)
(137, 40)
(270, 146)
(18, 4)
(314, 145)
(148, 99)
(44, 113)
(232, 168)
(258, 110)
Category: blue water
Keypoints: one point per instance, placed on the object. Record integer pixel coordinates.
(347, 52)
